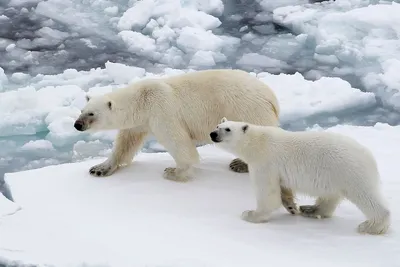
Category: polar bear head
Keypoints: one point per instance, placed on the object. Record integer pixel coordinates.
(96, 115)
(228, 134)
(124, 108)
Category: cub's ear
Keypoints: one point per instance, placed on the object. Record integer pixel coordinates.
(245, 128)
(87, 98)
(110, 105)
(223, 120)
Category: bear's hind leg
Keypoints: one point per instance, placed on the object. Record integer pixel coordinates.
(180, 173)
(184, 152)
(185, 155)
(238, 165)
(378, 215)
(324, 207)
(127, 143)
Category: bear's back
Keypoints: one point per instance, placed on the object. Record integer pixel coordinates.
(221, 85)
(205, 97)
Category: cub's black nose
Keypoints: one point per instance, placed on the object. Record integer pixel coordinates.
(78, 125)
(214, 136)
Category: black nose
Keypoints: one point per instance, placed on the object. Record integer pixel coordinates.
(214, 136)
(78, 125)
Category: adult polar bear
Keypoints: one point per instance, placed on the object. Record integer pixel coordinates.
(323, 164)
(180, 111)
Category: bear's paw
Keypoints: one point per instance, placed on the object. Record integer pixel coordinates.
(175, 175)
(255, 217)
(103, 169)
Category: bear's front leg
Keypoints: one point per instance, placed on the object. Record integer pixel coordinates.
(268, 194)
(238, 165)
(127, 143)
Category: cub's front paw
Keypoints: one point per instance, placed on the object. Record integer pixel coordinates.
(103, 169)
(175, 175)
(254, 216)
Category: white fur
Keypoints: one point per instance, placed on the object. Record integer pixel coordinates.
(180, 111)
(327, 165)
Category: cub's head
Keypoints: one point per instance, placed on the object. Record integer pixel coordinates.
(96, 115)
(228, 134)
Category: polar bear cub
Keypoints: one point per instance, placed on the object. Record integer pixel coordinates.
(327, 165)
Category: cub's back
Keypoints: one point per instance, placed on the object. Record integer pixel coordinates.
(324, 149)
(324, 161)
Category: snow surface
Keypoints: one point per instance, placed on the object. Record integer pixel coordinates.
(137, 218)
(7, 207)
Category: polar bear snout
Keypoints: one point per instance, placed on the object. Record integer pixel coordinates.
(215, 137)
(85, 121)
(82, 124)
(79, 125)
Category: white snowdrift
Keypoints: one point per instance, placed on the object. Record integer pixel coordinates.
(300, 98)
(352, 37)
(136, 218)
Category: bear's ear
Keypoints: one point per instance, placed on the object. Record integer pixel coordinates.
(245, 128)
(110, 105)
(87, 98)
(223, 120)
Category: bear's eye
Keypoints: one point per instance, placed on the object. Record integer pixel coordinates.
(227, 130)
(90, 114)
